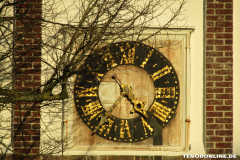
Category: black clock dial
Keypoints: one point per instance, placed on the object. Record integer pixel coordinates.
(150, 121)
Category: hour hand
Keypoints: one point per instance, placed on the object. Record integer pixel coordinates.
(136, 103)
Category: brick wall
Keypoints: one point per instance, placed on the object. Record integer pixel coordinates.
(27, 76)
(219, 76)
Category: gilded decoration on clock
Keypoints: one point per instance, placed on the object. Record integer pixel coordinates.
(148, 122)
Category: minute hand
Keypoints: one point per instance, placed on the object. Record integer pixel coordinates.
(104, 118)
(108, 113)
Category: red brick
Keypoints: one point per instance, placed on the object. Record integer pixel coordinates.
(219, 42)
(214, 54)
(32, 84)
(224, 60)
(229, 151)
(223, 145)
(22, 114)
(214, 78)
(224, 1)
(224, 108)
(37, 77)
(209, 72)
(224, 11)
(209, 60)
(22, 138)
(228, 66)
(22, 126)
(23, 77)
(214, 114)
(35, 150)
(32, 71)
(209, 132)
(209, 145)
(224, 96)
(228, 17)
(37, 64)
(214, 139)
(32, 144)
(24, 65)
(31, 132)
(214, 126)
(209, 120)
(35, 126)
(214, 29)
(228, 29)
(36, 114)
(228, 102)
(228, 126)
(209, 35)
(31, 120)
(223, 48)
(209, 48)
(228, 114)
(209, 84)
(228, 139)
(214, 102)
(228, 90)
(214, 90)
(214, 5)
(224, 24)
(209, 96)
(19, 23)
(36, 138)
(18, 84)
(223, 84)
(224, 120)
(210, 11)
(224, 132)
(214, 65)
(24, 53)
(32, 59)
(209, 108)
(228, 53)
(224, 35)
(22, 150)
(214, 151)
(228, 5)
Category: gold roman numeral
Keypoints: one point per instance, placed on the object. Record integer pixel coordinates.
(87, 92)
(99, 76)
(128, 57)
(146, 59)
(124, 127)
(165, 70)
(161, 111)
(92, 109)
(108, 57)
(168, 92)
(106, 126)
(146, 125)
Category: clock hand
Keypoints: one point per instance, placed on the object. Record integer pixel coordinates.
(127, 90)
(136, 102)
(115, 104)
(104, 119)
(124, 87)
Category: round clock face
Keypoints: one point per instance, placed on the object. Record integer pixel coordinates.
(144, 104)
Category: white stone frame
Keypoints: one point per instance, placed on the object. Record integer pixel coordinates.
(176, 34)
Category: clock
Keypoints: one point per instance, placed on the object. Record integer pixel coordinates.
(150, 114)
